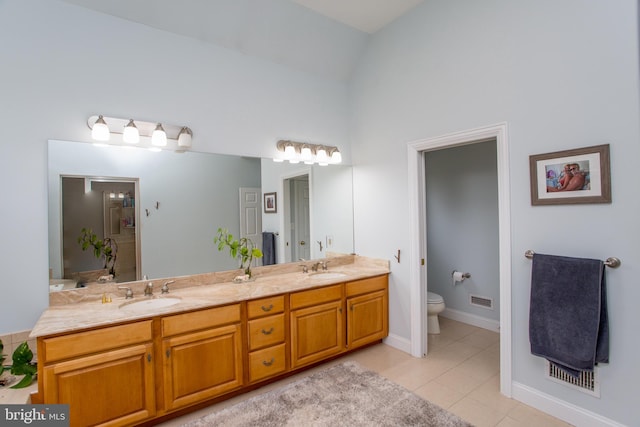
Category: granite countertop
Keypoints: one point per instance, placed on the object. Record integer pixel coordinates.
(91, 312)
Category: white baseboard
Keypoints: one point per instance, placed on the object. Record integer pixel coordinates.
(471, 319)
(565, 411)
(395, 341)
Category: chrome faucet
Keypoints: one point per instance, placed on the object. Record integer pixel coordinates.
(324, 265)
(315, 266)
(148, 290)
(165, 287)
(129, 293)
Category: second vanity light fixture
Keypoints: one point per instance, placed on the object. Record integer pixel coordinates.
(102, 128)
(296, 152)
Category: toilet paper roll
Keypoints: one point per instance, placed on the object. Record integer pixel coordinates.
(458, 276)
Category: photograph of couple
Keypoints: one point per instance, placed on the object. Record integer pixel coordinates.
(568, 177)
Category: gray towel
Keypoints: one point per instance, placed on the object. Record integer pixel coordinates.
(268, 248)
(568, 322)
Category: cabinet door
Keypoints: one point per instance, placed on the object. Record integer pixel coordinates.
(367, 319)
(110, 388)
(317, 332)
(201, 365)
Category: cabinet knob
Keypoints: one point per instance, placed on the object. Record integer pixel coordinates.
(168, 353)
(265, 308)
(269, 363)
(269, 332)
(148, 357)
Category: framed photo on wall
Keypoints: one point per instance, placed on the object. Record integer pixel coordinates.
(270, 203)
(574, 176)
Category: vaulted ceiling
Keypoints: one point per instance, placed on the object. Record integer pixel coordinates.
(324, 37)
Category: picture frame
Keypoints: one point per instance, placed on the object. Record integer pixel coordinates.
(270, 203)
(581, 175)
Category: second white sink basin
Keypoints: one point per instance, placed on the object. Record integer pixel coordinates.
(150, 304)
(327, 275)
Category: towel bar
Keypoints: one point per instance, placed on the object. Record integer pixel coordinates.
(612, 262)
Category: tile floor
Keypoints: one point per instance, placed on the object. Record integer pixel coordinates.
(460, 374)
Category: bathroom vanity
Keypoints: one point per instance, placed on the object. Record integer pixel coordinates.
(118, 365)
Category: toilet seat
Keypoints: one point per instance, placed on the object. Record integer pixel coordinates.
(433, 298)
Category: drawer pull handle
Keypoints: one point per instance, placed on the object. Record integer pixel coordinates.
(269, 308)
(149, 357)
(168, 353)
(269, 332)
(269, 363)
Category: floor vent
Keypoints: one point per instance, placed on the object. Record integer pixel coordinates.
(479, 301)
(587, 382)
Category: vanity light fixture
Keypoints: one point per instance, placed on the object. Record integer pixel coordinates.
(100, 130)
(159, 136)
(131, 135)
(321, 157)
(155, 135)
(184, 138)
(296, 152)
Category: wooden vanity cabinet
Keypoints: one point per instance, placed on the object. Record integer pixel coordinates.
(367, 310)
(266, 334)
(317, 326)
(202, 355)
(132, 373)
(105, 375)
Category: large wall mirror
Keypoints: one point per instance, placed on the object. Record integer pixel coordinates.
(162, 210)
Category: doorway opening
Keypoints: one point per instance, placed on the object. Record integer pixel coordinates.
(297, 229)
(418, 252)
(106, 208)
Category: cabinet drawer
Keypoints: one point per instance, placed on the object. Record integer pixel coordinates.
(203, 319)
(265, 306)
(315, 296)
(363, 286)
(267, 362)
(98, 340)
(266, 331)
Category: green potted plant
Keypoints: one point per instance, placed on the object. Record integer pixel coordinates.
(244, 249)
(105, 247)
(22, 365)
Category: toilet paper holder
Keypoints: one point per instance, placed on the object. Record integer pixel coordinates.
(464, 275)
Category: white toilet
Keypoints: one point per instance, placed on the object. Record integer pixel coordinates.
(435, 305)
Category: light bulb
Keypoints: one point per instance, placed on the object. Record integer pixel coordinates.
(321, 156)
(289, 152)
(184, 138)
(131, 134)
(159, 137)
(306, 155)
(100, 130)
(336, 157)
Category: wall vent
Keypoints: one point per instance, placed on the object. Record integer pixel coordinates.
(480, 301)
(587, 382)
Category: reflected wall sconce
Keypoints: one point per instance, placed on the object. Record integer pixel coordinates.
(158, 134)
(296, 152)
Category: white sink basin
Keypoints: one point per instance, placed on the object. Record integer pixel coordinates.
(149, 304)
(323, 275)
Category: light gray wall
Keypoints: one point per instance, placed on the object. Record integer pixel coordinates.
(562, 74)
(462, 226)
(63, 63)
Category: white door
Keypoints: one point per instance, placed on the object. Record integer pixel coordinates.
(250, 217)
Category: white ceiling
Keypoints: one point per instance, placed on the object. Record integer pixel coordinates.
(365, 15)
